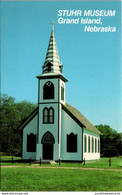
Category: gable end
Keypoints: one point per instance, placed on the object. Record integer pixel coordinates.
(72, 116)
(79, 118)
(29, 118)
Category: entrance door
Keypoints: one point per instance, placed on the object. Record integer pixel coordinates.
(48, 142)
(48, 151)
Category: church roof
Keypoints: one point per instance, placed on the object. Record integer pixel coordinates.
(52, 61)
(79, 118)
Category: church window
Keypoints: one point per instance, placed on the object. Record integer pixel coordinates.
(48, 115)
(48, 138)
(92, 144)
(62, 92)
(31, 143)
(48, 90)
(71, 142)
(45, 115)
(51, 115)
(98, 145)
(85, 143)
(95, 145)
(89, 144)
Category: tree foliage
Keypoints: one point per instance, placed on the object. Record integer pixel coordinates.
(110, 141)
(12, 115)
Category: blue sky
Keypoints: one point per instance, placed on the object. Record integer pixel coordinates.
(91, 61)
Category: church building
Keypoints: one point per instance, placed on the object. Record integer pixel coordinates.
(56, 129)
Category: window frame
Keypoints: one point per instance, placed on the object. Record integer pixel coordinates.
(48, 116)
(95, 145)
(44, 138)
(98, 145)
(62, 92)
(47, 94)
(45, 109)
(31, 142)
(85, 143)
(89, 144)
(72, 147)
(92, 144)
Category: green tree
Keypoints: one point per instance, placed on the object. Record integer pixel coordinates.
(12, 115)
(110, 141)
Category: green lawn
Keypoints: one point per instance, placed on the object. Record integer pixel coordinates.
(116, 163)
(10, 157)
(35, 179)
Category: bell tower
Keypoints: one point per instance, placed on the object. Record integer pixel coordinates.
(51, 96)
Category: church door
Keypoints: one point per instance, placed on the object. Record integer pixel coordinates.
(48, 151)
(48, 142)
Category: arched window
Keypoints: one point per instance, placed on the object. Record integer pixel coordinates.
(62, 92)
(92, 144)
(98, 145)
(48, 115)
(71, 142)
(95, 145)
(85, 143)
(48, 138)
(45, 115)
(89, 144)
(51, 115)
(48, 90)
(31, 143)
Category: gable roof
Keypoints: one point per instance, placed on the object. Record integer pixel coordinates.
(79, 118)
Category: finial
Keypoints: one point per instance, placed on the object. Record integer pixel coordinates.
(52, 25)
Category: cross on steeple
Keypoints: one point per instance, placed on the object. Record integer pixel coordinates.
(52, 25)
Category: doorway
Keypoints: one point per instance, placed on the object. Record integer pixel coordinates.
(48, 142)
(48, 151)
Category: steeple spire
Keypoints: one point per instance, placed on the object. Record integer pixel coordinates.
(52, 61)
(52, 25)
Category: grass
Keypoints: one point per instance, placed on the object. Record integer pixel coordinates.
(5, 158)
(10, 158)
(35, 179)
(14, 164)
(116, 163)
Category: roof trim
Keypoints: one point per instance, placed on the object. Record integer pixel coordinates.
(49, 75)
(29, 118)
(86, 129)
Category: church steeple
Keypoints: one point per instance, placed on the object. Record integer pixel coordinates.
(52, 62)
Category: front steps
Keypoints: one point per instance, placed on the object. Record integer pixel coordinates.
(45, 162)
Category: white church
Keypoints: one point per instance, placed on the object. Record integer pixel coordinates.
(56, 129)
